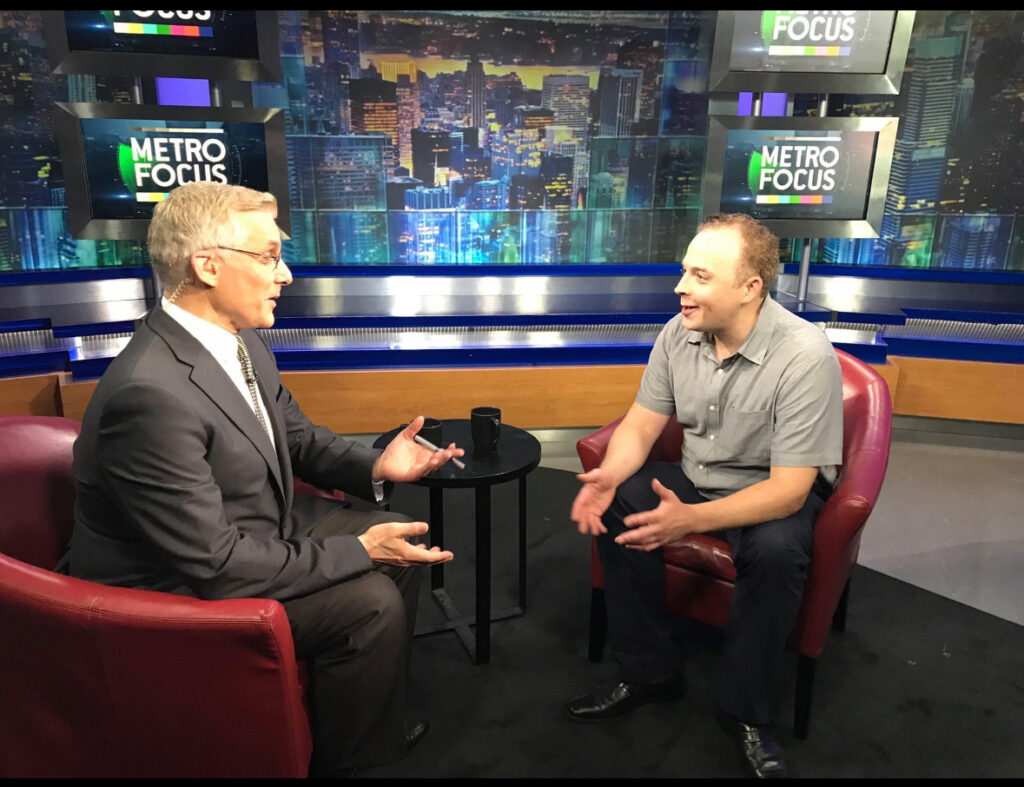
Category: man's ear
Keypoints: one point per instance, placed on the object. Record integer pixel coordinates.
(753, 288)
(206, 266)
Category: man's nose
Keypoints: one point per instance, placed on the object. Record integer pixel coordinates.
(283, 274)
(680, 288)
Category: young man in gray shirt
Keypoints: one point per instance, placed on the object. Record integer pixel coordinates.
(759, 393)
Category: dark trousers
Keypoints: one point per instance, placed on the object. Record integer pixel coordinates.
(355, 638)
(771, 564)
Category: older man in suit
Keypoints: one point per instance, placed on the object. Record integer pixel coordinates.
(184, 472)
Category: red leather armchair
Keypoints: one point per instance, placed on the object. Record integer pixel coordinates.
(699, 571)
(99, 681)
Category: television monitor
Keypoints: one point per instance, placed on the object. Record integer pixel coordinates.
(121, 159)
(228, 45)
(810, 51)
(802, 177)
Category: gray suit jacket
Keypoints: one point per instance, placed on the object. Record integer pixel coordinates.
(179, 489)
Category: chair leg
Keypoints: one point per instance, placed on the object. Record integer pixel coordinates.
(804, 686)
(839, 618)
(598, 623)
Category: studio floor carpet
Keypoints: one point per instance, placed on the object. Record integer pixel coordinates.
(917, 686)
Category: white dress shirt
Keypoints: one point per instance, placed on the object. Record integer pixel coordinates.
(223, 346)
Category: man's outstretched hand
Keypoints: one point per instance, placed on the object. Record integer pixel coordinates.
(592, 501)
(387, 543)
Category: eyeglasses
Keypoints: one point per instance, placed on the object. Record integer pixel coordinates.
(265, 257)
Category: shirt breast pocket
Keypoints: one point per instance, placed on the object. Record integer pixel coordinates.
(746, 437)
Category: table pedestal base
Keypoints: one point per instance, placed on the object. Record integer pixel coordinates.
(461, 624)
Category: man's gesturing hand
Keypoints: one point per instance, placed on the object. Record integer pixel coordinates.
(592, 501)
(669, 522)
(406, 460)
(386, 543)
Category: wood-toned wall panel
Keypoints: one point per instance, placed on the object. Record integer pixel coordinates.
(529, 397)
(538, 397)
(35, 395)
(890, 372)
(966, 390)
(75, 396)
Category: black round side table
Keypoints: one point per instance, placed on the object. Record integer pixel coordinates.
(517, 454)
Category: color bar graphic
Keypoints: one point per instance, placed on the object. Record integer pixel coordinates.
(793, 199)
(810, 51)
(150, 196)
(145, 29)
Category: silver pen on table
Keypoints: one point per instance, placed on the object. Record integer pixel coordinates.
(425, 442)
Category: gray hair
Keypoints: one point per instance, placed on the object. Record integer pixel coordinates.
(193, 217)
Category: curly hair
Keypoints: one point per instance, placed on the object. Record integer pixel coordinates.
(760, 244)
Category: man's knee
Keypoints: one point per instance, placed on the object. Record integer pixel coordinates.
(772, 554)
(381, 603)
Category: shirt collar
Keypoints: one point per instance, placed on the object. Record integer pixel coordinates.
(755, 346)
(221, 344)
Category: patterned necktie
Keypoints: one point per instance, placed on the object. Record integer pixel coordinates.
(250, 380)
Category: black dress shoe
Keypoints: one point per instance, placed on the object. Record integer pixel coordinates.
(618, 697)
(415, 729)
(760, 751)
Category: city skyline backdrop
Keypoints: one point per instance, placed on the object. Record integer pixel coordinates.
(561, 137)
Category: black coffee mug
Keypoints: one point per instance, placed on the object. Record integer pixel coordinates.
(485, 424)
(431, 431)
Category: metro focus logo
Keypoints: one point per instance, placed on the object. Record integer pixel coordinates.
(810, 33)
(151, 166)
(791, 170)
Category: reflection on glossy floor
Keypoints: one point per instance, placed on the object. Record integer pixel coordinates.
(950, 518)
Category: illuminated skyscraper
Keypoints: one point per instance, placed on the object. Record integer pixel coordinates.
(475, 92)
(516, 152)
(422, 237)
(619, 96)
(348, 172)
(353, 236)
(392, 66)
(526, 192)
(919, 158)
(396, 188)
(301, 181)
(335, 85)
(536, 118)
(975, 242)
(340, 31)
(431, 150)
(648, 58)
(374, 107)
(81, 87)
(487, 195)
(568, 96)
(602, 191)
(408, 96)
(561, 141)
(556, 175)
(475, 166)
(293, 72)
(420, 198)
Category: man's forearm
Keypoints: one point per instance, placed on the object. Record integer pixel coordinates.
(761, 502)
(626, 453)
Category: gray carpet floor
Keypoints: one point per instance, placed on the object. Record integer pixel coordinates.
(918, 686)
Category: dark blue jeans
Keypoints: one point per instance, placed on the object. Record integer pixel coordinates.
(771, 564)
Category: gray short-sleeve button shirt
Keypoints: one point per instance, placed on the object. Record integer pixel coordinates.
(777, 402)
